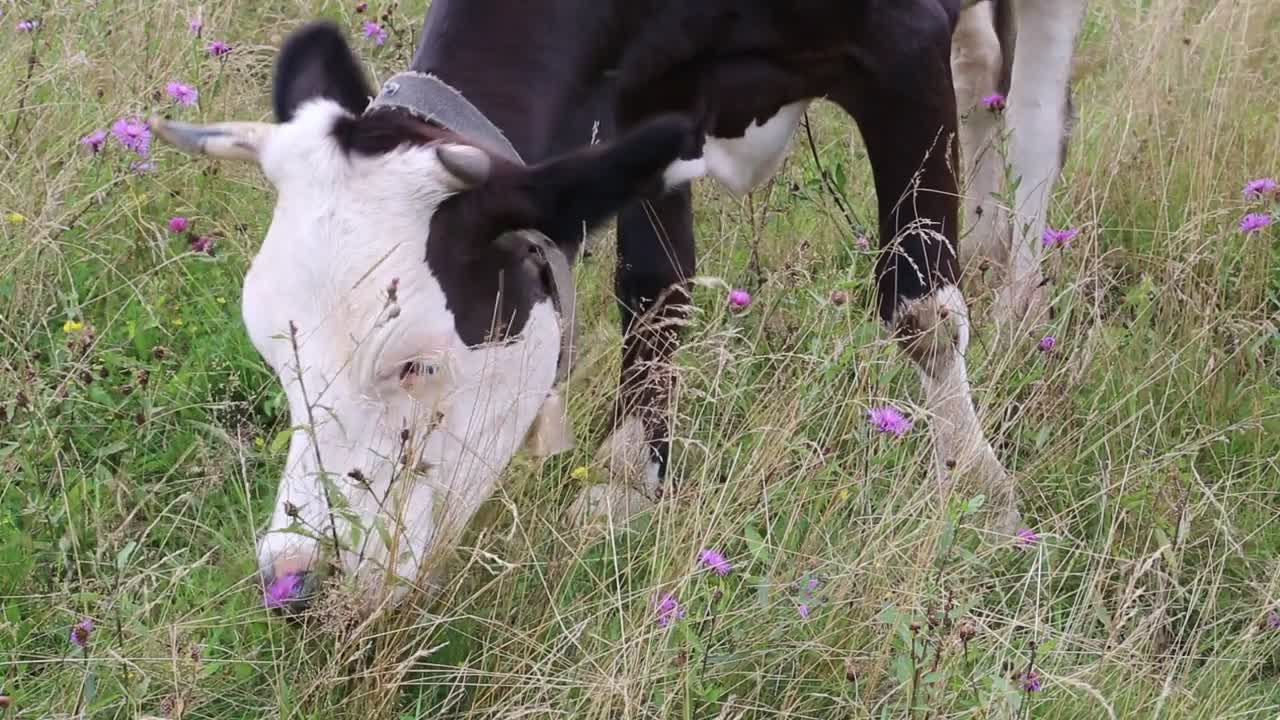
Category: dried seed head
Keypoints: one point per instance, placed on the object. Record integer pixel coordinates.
(291, 510)
(839, 297)
(967, 630)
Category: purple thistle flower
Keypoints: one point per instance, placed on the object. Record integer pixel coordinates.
(739, 299)
(1053, 237)
(804, 612)
(715, 560)
(994, 102)
(202, 244)
(196, 25)
(1047, 343)
(375, 32)
(281, 590)
(813, 584)
(80, 633)
(1026, 538)
(888, 419)
(182, 93)
(668, 609)
(1253, 222)
(28, 25)
(218, 48)
(1031, 681)
(95, 140)
(133, 134)
(178, 224)
(1273, 620)
(1257, 189)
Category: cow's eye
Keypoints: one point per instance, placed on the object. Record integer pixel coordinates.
(416, 368)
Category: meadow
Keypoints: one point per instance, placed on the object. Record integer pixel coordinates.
(141, 437)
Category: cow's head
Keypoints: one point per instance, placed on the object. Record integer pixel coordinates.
(399, 300)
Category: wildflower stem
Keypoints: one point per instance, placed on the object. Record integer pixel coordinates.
(1026, 685)
(32, 59)
(855, 224)
(311, 430)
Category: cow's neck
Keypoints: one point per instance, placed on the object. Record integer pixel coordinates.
(524, 69)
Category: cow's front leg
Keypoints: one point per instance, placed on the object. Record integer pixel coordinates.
(655, 262)
(905, 108)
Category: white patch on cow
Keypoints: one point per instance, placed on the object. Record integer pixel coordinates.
(343, 227)
(683, 171)
(1037, 121)
(744, 163)
(975, 65)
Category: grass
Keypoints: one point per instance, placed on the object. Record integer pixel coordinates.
(137, 460)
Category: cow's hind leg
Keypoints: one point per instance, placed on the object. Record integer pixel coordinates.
(976, 61)
(655, 262)
(905, 108)
(1039, 118)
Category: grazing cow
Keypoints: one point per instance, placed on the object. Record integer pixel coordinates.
(410, 395)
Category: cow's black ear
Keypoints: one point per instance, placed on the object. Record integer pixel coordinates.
(316, 61)
(592, 184)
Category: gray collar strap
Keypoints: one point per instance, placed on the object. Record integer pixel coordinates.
(563, 293)
(435, 101)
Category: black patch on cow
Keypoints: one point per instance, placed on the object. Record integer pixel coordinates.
(317, 62)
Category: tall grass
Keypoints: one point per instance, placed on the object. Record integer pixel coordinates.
(137, 463)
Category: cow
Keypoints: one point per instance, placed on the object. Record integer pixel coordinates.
(413, 291)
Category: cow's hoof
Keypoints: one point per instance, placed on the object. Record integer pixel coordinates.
(1021, 309)
(606, 506)
(1004, 522)
(628, 460)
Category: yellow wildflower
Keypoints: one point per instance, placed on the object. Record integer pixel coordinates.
(15, 218)
(220, 300)
(178, 322)
(579, 473)
(71, 326)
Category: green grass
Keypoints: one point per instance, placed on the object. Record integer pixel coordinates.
(137, 464)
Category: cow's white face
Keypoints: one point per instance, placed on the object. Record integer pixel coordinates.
(417, 344)
(407, 423)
